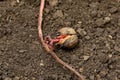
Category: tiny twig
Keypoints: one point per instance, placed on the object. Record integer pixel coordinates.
(46, 46)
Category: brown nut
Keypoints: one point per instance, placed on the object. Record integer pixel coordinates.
(71, 40)
(67, 30)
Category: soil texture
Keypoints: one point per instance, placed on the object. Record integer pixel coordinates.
(97, 23)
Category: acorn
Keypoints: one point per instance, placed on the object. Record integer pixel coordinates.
(71, 40)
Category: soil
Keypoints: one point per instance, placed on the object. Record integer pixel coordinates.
(97, 56)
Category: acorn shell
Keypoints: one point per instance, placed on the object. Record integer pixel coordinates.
(71, 40)
(67, 30)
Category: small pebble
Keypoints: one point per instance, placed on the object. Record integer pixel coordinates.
(99, 31)
(117, 48)
(110, 36)
(13, 2)
(36, 42)
(41, 63)
(99, 22)
(86, 57)
(78, 25)
(98, 77)
(17, 1)
(67, 23)
(74, 57)
(118, 1)
(70, 1)
(22, 51)
(30, 36)
(110, 55)
(87, 37)
(118, 22)
(81, 32)
(81, 70)
(107, 45)
(94, 13)
(16, 78)
(94, 5)
(113, 10)
(53, 2)
(7, 78)
(92, 77)
(0, 15)
(33, 78)
(79, 22)
(58, 13)
(46, 10)
(102, 21)
(103, 73)
(107, 19)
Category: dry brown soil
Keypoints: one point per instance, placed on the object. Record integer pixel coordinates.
(97, 56)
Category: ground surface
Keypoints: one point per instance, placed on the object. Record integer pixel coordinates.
(97, 56)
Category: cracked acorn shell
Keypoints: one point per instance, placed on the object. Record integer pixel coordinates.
(71, 40)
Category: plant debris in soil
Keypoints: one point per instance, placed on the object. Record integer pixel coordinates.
(97, 55)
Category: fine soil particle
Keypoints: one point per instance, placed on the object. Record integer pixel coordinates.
(97, 56)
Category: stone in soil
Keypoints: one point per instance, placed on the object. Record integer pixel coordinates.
(53, 2)
(86, 57)
(92, 77)
(102, 21)
(67, 23)
(81, 32)
(113, 10)
(70, 0)
(16, 78)
(0, 15)
(103, 73)
(58, 13)
(118, 22)
(81, 70)
(117, 48)
(7, 78)
(87, 37)
(107, 19)
(99, 31)
(94, 5)
(110, 55)
(22, 51)
(46, 10)
(93, 13)
(99, 22)
(41, 63)
(78, 25)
